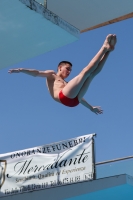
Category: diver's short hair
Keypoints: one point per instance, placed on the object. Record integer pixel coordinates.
(65, 62)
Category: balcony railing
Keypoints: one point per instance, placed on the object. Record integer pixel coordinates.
(115, 167)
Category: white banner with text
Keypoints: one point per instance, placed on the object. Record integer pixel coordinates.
(47, 166)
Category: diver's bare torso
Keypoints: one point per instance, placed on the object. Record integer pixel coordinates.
(55, 84)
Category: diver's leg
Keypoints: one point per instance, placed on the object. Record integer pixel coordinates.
(72, 89)
(86, 84)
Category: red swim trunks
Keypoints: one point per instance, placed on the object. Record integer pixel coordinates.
(67, 101)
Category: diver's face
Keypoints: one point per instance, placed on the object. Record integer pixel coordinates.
(65, 70)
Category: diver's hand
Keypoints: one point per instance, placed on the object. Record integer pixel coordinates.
(97, 110)
(14, 70)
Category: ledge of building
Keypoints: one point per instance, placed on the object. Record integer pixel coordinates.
(115, 187)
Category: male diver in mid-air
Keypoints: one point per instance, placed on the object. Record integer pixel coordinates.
(71, 93)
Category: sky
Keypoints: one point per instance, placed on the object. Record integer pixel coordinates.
(29, 117)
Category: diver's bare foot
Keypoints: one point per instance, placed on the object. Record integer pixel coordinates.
(113, 42)
(107, 43)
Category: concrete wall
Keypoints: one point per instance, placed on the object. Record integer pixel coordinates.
(88, 14)
(24, 33)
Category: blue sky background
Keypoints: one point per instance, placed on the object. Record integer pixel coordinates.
(30, 117)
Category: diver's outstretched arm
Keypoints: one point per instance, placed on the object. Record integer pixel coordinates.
(32, 72)
(96, 109)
